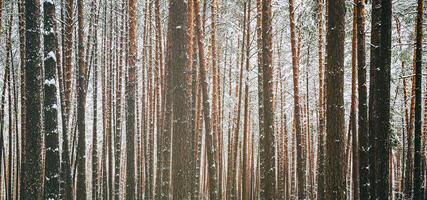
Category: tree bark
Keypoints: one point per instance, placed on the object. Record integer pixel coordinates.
(267, 158)
(363, 104)
(297, 109)
(418, 179)
(335, 136)
(379, 99)
(50, 107)
(130, 105)
(81, 107)
(353, 111)
(32, 142)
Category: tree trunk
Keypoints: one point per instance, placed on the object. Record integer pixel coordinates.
(321, 105)
(267, 158)
(297, 109)
(50, 108)
(118, 116)
(130, 104)
(32, 142)
(363, 104)
(176, 64)
(335, 137)
(95, 158)
(81, 107)
(210, 139)
(246, 131)
(379, 99)
(353, 111)
(418, 179)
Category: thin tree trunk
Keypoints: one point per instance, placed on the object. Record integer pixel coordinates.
(418, 179)
(118, 116)
(130, 104)
(353, 111)
(363, 104)
(95, 159)
(81, 101)
(321, 105)
(246, 133)
(297, 109)
(210, 138)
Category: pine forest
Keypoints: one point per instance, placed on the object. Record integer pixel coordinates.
(213, 99)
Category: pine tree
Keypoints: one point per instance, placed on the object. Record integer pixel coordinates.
(321, 105)
(130, 104)
(379, 99)
(50, 106)
(32, 166)
(418, 179)
(353, 112)
(363, 104)
(81, 101)
(176, 65)
(297, 107)
(335, 165)
(267, 136)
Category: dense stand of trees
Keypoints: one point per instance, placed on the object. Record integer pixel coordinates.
(212, 99)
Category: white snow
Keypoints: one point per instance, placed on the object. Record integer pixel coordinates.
(52, 55)
(49, 81)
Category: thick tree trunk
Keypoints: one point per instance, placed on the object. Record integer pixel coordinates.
(267, 158)
(335, 137)
(176, 64)
(50, 107)
(32, 142)
(379, 99)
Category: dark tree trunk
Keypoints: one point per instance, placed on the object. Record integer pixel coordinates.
(418, 179)
(176, 64)
(363, 104)
(50, 108)
(379, 99)
(335, 136)
(32, 166)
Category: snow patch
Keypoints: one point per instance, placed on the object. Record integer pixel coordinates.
(50, 81)
(52, 55)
